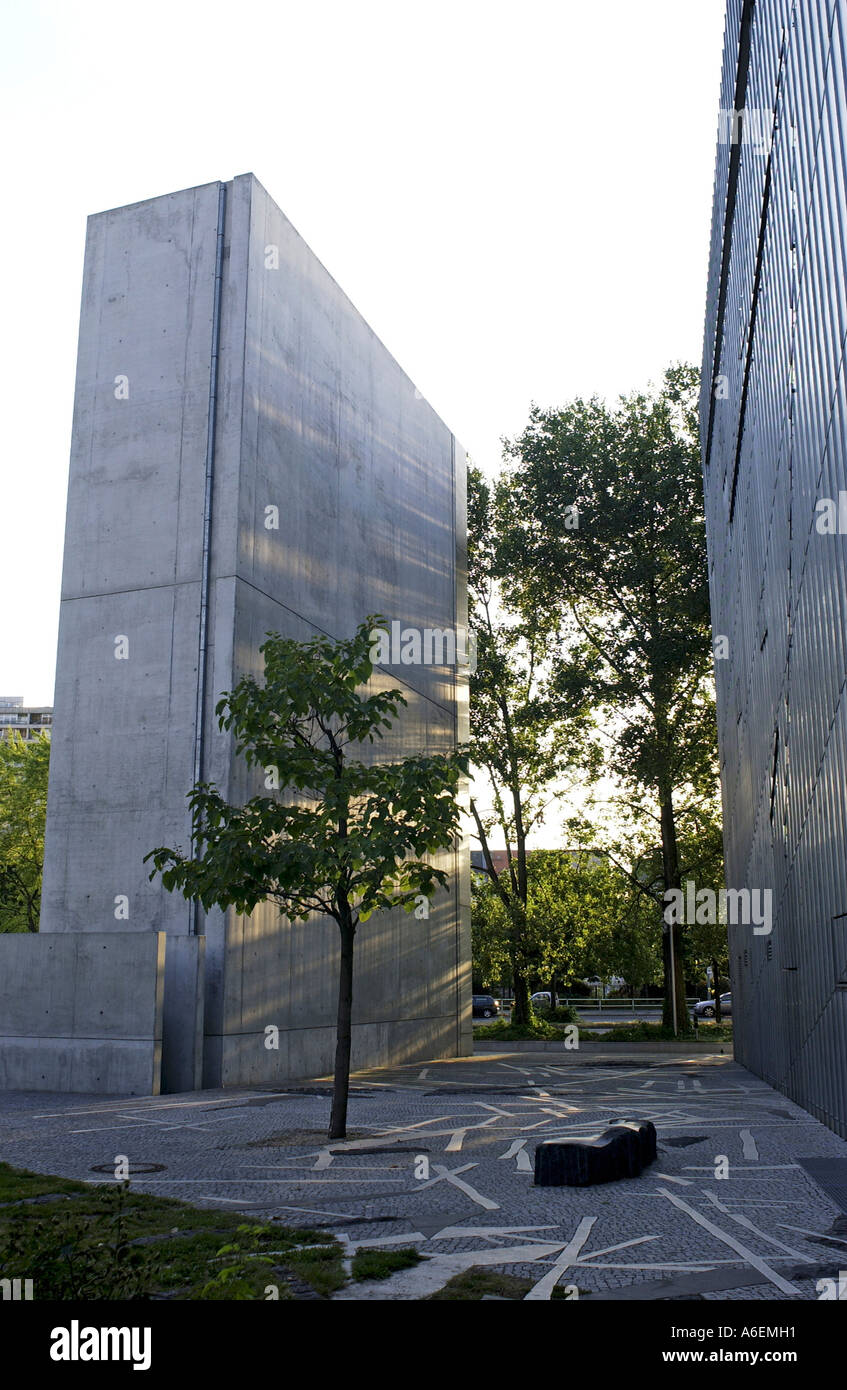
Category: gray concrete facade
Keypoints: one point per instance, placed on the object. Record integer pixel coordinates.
(247, 457)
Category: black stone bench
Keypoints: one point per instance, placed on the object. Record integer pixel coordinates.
(646, 1132)
(621, 1151)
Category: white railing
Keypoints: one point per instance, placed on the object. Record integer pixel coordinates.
(592, 1004)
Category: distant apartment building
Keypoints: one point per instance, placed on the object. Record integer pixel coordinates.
(500, 857)
(29, 721)
(774, 443)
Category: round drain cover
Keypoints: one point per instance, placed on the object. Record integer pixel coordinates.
(135, 1169)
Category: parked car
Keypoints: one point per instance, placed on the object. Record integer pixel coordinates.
(541, 999)
(485, 1006)
(705, 1008)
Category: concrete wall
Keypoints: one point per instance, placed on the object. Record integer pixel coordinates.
(82, 1012)
(314, 417)
(374, 530)
(123, 735)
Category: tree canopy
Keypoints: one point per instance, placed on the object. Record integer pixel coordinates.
(337, 834)
(24, 765)
(605, 538)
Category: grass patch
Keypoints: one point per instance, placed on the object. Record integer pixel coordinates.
(320, 1268)
(474, 1283)
(108, 1242)
(16, 1184)
(381, 1264)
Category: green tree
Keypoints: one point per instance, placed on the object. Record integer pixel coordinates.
(584, 917)
(568, 907)
(629, 586)
(24, 766)
(341, 837)
(630, 946)
(489, 935)
(525, 735)
(703, 863)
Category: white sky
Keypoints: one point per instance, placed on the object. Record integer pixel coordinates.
(515, 196)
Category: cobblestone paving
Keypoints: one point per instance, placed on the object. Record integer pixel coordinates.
(764, 1231)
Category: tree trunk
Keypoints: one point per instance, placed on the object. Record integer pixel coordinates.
(343, 1034)
(674, 979)
(682, 1018)
(520, 1011)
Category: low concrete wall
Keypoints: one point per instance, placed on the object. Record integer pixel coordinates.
(607, 1052)
(82, 1012)
(304, 1053)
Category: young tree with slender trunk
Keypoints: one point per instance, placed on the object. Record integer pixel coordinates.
(339, 836)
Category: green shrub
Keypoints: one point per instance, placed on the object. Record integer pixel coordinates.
(537, 1028)
(639, 1032)
(564, 1013)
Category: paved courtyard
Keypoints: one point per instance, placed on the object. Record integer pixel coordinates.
(440, 1156)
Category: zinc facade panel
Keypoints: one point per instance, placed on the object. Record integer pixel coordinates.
(773, 423)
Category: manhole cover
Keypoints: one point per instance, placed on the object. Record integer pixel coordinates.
(134, 1170)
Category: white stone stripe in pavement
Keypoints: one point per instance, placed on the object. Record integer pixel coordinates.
(452, 1176)
(739, 1168)
(457, 1138)
(205, 1103)
(492, 1233)
(749, 1226)
(803, 1232)
(517, 1151)
(752, 1259)
(610, 1249)
(748, 1144)
(544, 1288)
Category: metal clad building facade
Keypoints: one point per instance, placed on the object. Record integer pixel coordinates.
(773, 422)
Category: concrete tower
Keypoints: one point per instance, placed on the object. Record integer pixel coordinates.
(247, 457)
